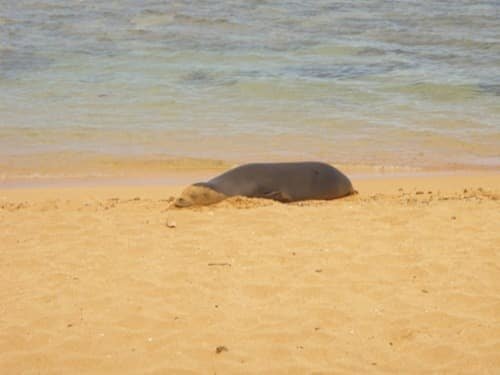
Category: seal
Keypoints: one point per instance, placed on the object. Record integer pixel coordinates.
(284, 182)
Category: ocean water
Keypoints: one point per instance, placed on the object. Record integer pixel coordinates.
(402, 84)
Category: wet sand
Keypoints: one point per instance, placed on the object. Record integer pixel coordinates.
(402, 278)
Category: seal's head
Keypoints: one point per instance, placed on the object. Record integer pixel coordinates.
(198, 195)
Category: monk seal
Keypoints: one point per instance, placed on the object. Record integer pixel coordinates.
(284, 182)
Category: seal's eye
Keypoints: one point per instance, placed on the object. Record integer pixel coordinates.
(180, 202)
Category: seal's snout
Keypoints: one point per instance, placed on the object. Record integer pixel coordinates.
(198, 195)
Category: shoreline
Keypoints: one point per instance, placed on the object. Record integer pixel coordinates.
(365, 184)
(95, 169)
(183, 176)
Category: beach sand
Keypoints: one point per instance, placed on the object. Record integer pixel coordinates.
(402, 278)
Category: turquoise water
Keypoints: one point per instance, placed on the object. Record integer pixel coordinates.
(404, 83)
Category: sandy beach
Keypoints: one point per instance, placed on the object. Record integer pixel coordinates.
(402, 278)
(108, 111)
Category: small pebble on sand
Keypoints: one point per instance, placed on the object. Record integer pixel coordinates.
(221, 349)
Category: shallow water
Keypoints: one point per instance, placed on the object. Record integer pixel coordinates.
(403, 84)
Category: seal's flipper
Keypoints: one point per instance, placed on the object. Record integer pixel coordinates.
(277, 196)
